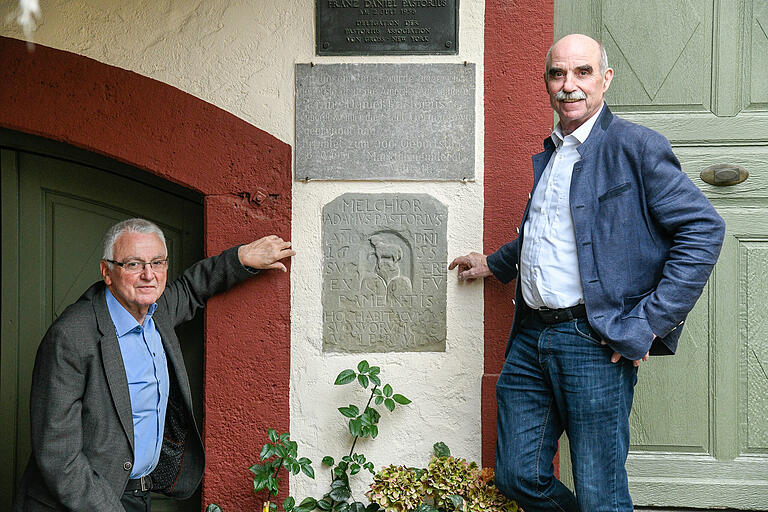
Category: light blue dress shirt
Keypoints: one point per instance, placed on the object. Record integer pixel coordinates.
(147, 370)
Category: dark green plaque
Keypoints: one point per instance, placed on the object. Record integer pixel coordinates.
(387, 27)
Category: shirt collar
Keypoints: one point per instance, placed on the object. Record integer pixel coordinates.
(123, 320)
(581, 133)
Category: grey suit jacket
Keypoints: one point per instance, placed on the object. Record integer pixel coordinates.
(81, 419)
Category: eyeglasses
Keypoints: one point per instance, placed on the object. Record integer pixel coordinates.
(137, 266)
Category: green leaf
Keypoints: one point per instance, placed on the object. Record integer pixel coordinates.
(389, 404)
(341, 507)
(374, 430)
(292, 447)
(400, 399)
(426, 508)
(456, 500)
(373, 414)
(281, 451)
(375, 379)
(369, 467)
(346, 458)
(345, 377)
(260, 483)
(441, 449)
(213, 508)
(357, 507)
(272, 433)
(374, 370)
(349, 412)
(304, 460)
(363, 367)
(266, 452)
(338, 483)
(257, 469)
(342, 466)
(359, 458)
(309, 503)
(324, 504)
(285, 437)
(288, 504)
(379, 399)
(272, 506)
(373, 507)
(307, 470)
(354, 469)
(328, 461)
(363, 380)
(387, 390)
(356, 427)
(340, 493)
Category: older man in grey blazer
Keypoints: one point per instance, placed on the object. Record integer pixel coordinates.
(111, 408)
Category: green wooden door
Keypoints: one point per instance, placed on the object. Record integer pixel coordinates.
(55, 212)
(696, 71)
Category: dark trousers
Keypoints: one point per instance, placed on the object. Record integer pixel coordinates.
(560, 378)
(136, 501)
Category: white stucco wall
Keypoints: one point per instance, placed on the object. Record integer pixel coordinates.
(240, 55)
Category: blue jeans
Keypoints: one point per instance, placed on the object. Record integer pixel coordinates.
(560, 378)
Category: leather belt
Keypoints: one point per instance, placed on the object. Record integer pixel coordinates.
(139, 484)
(556, 316)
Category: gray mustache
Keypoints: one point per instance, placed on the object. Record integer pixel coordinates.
(574, 95)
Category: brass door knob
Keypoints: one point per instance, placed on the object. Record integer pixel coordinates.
(724, 174)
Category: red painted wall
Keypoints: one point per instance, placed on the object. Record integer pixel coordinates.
(517, 119)
(245, 176)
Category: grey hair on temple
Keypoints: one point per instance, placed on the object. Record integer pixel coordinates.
(603, 58)
(129, 226)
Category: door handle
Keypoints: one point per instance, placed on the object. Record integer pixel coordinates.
(722, 175)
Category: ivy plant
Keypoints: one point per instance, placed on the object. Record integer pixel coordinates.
(280, 453)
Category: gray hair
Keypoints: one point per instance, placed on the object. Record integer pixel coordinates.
(603, 58)
(135, 225)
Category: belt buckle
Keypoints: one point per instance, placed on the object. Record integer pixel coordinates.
(145, 483)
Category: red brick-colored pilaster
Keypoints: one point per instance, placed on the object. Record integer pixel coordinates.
(517, 118)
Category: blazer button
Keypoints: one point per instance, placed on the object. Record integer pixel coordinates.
(127, 466)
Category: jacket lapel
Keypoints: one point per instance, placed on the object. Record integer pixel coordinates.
(596, 135)
(174, 355)
(113, 365)
(581, 192)
(540, 160)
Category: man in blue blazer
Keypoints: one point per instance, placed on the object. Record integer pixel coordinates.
(110, 407)
(614, 249)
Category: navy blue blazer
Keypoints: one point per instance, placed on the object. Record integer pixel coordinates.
(646, 237)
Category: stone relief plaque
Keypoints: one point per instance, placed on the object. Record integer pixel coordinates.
(385, 121)
(387, 27)
(384, 273)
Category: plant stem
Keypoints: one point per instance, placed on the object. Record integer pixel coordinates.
(370, 398)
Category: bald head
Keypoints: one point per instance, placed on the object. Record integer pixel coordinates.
(577, 76)
(583, 40)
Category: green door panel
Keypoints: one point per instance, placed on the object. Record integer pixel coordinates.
(695, 70)
(55, 212)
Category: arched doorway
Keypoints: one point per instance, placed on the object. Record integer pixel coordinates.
(244, 177)
(57, 202)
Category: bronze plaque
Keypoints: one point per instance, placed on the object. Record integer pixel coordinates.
(387, 27)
